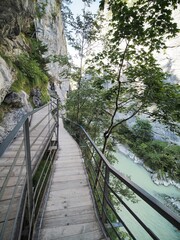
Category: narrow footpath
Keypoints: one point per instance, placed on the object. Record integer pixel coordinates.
(68, 213)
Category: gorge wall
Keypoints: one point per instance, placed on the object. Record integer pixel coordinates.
(19, 19)
(15, 17)
(170, 59)
(49, 29)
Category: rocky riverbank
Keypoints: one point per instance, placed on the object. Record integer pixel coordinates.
(154, 176)
(173, 203)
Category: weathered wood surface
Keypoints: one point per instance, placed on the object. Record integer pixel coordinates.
(13, 170)
(68, 212)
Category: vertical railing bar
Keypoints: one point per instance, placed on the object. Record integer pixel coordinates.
(21, 201)
(49, 110)
(101, 188)
(113, 228)
(105, 194)
(28, 167)
(42, 172)
(120, 219)
(48, 168)
(38, 123)
(43, 150)
(43, 141)
(39, 134)
(58, 123)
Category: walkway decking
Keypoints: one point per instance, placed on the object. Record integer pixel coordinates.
(68, 213)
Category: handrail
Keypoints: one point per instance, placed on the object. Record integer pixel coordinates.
(150, 200)
(43, 134)
(13, 133)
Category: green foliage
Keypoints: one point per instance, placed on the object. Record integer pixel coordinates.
(41, 9)
(160, 156)
(21, 82)
(126, 78)
(7, 59)
(84, 107)
(30, 75)
(44, 94)
(37, 50)
(143, 130)
(31, 69)
(148, 23)
(63, 60)
(79, 30)
(130, 81)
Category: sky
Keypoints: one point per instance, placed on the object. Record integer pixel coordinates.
(76, 8)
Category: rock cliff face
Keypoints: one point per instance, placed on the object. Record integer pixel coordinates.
(170, 59)
(16, 18)
(6, 78)
(49, 30)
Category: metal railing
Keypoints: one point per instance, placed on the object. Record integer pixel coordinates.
(115, 194)
(21, 156)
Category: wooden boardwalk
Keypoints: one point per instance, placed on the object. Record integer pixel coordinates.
(68, 213)
(13, 169)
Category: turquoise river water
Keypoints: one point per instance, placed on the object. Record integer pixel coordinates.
(163, 229)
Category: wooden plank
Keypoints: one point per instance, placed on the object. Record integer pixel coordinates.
(9, 191)
(94, 235)
(69, 212)
(65, 164)
(59, 178)
(68, 184)
(57, 204)
(69, 172)
(71, 220)
(9, 226)
(4, 207)
(71, 192)
(6, 161)
(69, 231)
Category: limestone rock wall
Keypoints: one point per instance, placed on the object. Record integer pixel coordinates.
(170, 58)
(49, 30)
(6, 78)
(15, 16)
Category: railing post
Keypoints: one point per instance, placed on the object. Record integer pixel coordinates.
(58, 123)
(49, 112)
(28, 167)
(105, 194)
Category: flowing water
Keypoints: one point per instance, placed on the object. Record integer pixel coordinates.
(140, 176)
